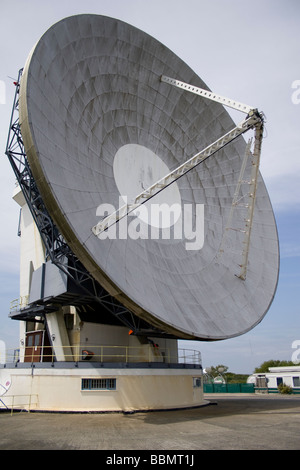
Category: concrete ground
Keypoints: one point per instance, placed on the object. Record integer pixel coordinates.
(229, 422)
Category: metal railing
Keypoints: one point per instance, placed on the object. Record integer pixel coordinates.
(189, 356)
(103, 354)
(19, 303)
(18, 402)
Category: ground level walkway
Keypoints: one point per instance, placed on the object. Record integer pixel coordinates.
(229, 422)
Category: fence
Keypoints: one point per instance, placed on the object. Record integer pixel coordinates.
(228, 388)
(19, 303)
(127, 354)
(17, 402)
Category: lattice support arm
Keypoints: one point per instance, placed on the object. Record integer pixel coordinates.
(251, 121)
(208, 94)
(252, 197)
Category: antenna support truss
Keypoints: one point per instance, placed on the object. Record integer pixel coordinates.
(253, 120)
(57, 250)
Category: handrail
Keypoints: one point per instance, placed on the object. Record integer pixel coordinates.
(12, 403)
(19, 303)
(103, 354)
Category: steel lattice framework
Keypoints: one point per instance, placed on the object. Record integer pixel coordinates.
(56, 249)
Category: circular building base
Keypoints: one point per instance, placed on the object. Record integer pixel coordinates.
(82, 387)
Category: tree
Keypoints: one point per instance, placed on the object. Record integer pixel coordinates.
(230, 377)
(264, 367)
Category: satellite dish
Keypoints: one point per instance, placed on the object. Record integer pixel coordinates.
(101, 122)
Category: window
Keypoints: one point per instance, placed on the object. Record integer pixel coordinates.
(197, 382)
(279, 380)
(98, 384)
(296, 381)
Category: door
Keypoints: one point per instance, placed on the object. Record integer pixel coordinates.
(34, 345)
(261, 381)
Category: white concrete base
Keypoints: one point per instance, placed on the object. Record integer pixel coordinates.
(136, 389)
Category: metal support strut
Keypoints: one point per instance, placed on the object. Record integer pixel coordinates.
(57, 250)
(253, 120)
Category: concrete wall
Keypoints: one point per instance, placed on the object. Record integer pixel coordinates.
(114, 344)
(136, 389)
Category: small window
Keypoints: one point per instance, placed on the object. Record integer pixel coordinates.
(279, 380)
(196, 382)
(296, 381)
(98, 384)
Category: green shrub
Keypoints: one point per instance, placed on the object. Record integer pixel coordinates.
(285, 389)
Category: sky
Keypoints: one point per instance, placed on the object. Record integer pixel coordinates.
(248, 51)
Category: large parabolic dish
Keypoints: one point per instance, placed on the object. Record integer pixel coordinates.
(98, 123)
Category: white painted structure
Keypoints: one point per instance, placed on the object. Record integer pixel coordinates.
(66, 364)
(100, 120)
(289, 375)
(56, 389)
